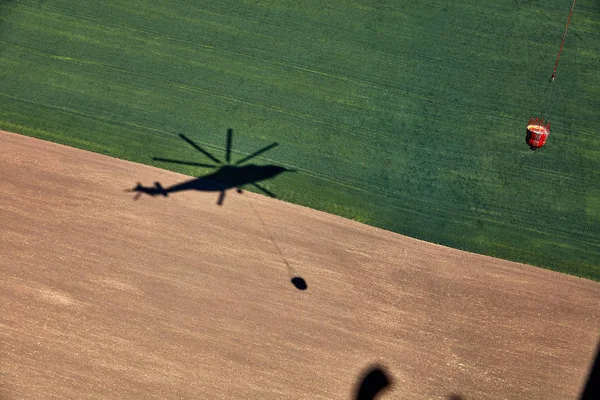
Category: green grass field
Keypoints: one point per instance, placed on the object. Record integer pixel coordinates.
(407, 115)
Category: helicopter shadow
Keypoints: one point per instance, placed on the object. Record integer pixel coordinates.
(227, 176)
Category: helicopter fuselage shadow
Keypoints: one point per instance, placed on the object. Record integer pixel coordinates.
(229, 177)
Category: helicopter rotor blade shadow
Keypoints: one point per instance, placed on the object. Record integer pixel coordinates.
(195, 164)
(228, 148)
(200, 149)
(256, 153)
(265, 191)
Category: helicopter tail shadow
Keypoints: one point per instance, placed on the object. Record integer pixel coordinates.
(155, 190)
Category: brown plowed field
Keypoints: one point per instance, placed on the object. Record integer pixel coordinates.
(178, 298)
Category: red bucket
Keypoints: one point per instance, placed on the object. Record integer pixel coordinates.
(537, 133)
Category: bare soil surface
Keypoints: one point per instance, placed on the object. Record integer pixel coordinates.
(175, 297)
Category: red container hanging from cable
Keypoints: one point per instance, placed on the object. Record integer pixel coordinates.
(537, 129)
(537, 133)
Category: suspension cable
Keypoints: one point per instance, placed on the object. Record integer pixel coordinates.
(563, 41)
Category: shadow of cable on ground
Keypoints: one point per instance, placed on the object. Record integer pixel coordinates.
(227, 176)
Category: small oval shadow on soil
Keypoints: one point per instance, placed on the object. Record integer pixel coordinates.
(299, 283)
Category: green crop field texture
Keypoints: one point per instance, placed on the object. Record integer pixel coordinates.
(406, 115)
